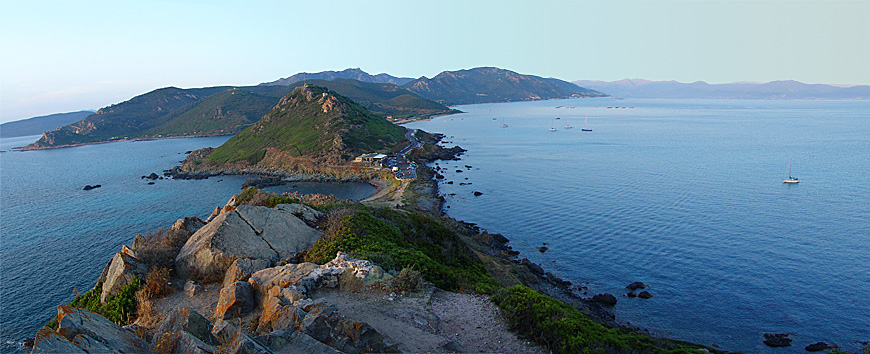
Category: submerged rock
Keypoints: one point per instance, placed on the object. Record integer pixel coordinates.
(777, 339)
(817, 347)
(605, 299)
(644, 295)
(636, 285)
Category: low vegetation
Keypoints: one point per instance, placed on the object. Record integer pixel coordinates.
(562, 329)
(396, 240)
(120, 308)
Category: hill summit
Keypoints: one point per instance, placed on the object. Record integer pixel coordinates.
(490, 84)
(311, 128)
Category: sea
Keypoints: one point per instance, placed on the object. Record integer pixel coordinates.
(56, 237)
(683, 195)
(688, 197)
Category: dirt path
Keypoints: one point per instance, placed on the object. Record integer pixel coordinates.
(434, 321)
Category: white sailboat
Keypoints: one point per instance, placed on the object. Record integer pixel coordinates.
(567, 126)
(790, 179)
(586, 123)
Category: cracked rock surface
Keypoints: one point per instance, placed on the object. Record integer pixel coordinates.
(245, 232)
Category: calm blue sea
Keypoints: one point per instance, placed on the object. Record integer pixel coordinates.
(686, 196)
(55, 237)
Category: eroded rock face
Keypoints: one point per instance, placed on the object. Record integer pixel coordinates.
(189, 224)
(244, 232)
(123, 268)
(235, 300)
(84, 328)
(242, 268)
(48, 341)
(185, 319)
(605, 299)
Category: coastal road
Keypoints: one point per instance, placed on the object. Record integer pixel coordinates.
(406, 168)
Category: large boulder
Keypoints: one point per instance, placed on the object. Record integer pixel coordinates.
(74, 323)
(122, 270)
(245, 232)
(235, 300)
(185, 319)
(242, 268)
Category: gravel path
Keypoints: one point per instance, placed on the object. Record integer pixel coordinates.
(429, 322)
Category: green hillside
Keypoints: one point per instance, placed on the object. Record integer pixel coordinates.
(485, 85)
(222, 111)
(37, 125)
(122, 120)
(312, 122)
(382, 98)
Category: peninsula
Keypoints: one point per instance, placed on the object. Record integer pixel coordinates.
(298, 273)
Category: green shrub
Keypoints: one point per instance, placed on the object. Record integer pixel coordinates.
(413, 240)
(408, 280)
(120, 308)
(563, 329)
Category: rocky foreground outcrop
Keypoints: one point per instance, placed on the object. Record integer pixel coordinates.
(243, 232)
(82, 331)
(289, 320)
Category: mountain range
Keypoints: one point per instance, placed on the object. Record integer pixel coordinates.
(225, 110)
(488, 85)
(355, 74)
(478, 85)
(787, 90)
(37, 125)
(221, 110)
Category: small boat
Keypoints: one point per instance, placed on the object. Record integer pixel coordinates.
(552, 129)
(790, 179)
(585, 124)
(503, 125)
(567, 126)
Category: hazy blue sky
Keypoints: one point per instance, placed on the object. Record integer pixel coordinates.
(60, 56)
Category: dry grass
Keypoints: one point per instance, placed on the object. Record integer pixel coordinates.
(146, 316)
(157, 282)
(158, 249)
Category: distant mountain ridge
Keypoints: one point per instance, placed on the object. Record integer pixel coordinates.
(490, 84)
(351, 73)
(37, 125)
(221, 110)
(788, 90)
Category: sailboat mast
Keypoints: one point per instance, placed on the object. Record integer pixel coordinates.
(789, 166)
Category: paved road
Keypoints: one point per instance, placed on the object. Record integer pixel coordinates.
(407, 169)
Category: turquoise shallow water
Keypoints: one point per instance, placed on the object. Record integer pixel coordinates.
(55, 237)
(686, 196)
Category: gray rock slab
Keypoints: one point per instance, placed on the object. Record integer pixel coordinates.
(211, 250)
(50, 342)
(73, 322)
(284, 232)
(305, 212)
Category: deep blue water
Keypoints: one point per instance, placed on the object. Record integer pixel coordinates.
(686, 196)
(55, 237)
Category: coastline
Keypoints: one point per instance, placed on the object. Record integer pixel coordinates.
(26, 148)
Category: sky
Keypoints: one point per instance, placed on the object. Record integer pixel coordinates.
(63, 56)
